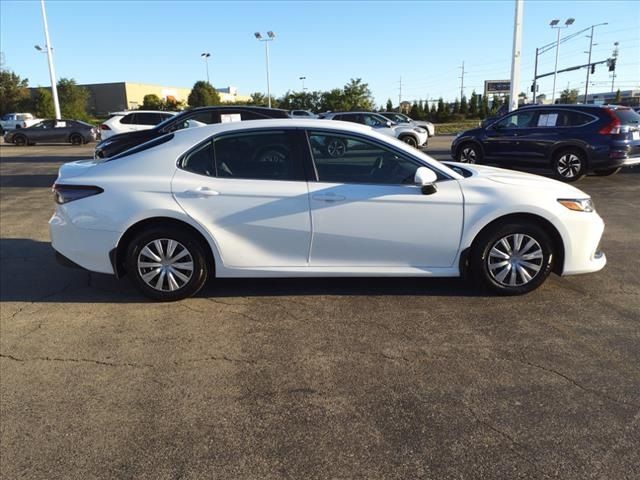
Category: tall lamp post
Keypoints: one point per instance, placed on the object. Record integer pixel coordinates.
(206, 56)
(554, 24)
(270, 37)
(52, 71)
(303, 79)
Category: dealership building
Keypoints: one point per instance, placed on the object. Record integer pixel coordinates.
(117, 96)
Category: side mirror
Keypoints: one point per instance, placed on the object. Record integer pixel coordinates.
(426, 179)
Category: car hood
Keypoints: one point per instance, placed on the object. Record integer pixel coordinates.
(518, 179)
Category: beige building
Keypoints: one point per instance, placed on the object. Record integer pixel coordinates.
(117, 96)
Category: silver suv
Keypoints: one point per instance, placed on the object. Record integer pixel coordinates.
(401, 118)
(411, 135)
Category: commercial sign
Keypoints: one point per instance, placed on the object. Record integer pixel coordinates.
(495, 87)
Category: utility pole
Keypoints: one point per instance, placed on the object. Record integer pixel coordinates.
(515, 59)
(554, 24)
(586, 85)
(400, 97)
(534, 88)
(52, 71)
(462, 81)
(614, 58)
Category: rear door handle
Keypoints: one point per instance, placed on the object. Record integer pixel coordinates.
(328, 197)
(202, 192)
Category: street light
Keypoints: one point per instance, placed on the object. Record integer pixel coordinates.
(206, 56)
(270, 37)
(303, 79)
(554, 24)
(52, 72)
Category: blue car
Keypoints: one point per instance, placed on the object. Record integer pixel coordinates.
(570, 140)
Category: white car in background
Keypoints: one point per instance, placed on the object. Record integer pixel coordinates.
(263, 199)
(132, 121)
(13, 121)
(401, 119)
(414, 136)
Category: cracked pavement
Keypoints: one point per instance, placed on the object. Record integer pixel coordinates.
(316, 378)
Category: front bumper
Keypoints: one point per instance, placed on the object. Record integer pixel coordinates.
(582, 251)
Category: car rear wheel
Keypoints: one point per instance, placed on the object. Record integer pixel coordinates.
(607, 171)
(409, 140)
(512, 258)
(20, 140)
(76, 139)
(469, 153)
(569, 165)
(167, 264)
(336, 147)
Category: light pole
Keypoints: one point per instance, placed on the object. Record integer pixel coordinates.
(586, 85)
(554, 24)
(515, 60)
(52, 71)
(303, 79)
(206, 56)
(270, 37)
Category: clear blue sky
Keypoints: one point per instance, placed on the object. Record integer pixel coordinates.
(160, 42)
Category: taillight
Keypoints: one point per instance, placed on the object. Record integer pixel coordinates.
(69, 193)
(613, 127)
(104, 127)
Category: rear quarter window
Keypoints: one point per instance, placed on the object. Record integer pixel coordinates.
(627, 116)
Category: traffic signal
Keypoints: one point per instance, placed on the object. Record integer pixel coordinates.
(593, 68)
(611, 63)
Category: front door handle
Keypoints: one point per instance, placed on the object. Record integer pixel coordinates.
(202, 192)
(328, 197)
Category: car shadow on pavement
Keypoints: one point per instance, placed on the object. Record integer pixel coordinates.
(27, 181)
(30, 273)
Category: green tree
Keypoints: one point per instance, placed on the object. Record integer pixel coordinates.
(389, 106)
(42, 103)
(357, 96)
(203, 94)
(414, 112)
(73, 99)
(151, 102)
(496, 103)
(484, 106)
(442, 114)
(473, 105)
(421, 115)
(464, 106)
(13, 92)
(433, 113)
(333, 101)
(456, 107)
(618, 98)
(569, 96)
(258, 98)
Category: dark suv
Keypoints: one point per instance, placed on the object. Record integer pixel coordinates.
(572, 140)
(195, 117)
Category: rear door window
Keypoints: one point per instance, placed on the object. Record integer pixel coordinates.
(263, 155)
(128, 119)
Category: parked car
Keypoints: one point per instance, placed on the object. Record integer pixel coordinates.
(12, 121)
(302, 114)
(195, 117)
(124, 122)
(414, 136)
(260, 199)
(402, 119)
(53, 131)
(571, 140)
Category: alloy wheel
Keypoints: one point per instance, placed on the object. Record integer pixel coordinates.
(336, 148)
(468, 155)
(165, 265)
(569, 165)
(515, 260)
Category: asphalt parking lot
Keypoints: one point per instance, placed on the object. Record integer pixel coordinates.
(315, 378)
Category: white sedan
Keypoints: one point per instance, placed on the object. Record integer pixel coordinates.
(266, 199)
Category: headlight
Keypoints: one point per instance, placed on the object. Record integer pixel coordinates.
(578, 204)
(419, 130)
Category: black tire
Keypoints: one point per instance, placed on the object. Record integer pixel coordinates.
(76, 139)
(469, 153)
(20, 140)
(410, 140)
(336, 147)
(535, 259)
(569, 165)
(186, 283)
(606, 172)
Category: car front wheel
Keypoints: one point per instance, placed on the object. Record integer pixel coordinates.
(20, 140)
(469, 153)
(76, 139)
(409, 140)
(513, 258)
(167, 264)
